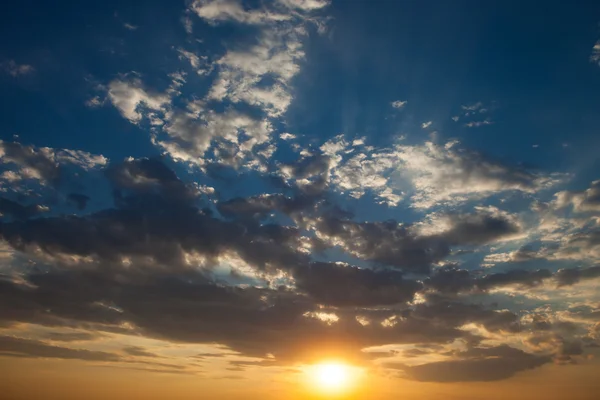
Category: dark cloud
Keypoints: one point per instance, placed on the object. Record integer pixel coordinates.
(35, 349)
(18, 211)
(571, 276)
(145, 267)
(314, 169)
(345, 285)
(478, 228)
(399, 245)
(259, 207)
(454, 281)
(78, 200)
(581, 245)
(251, 321)
(567, 350)
(582, 201)
(39, 162)
(388, 243)
(146, 176)
(519, 277)
(477, 364)
(138, 351)
(450, 281)
(71, 336)
(452, 313)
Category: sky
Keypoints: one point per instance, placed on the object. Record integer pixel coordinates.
(221, 199)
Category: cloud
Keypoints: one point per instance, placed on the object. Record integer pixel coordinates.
(398, 104)
(414, 248)
(306, 5)
(447, 174)
(78, 200)
(243, 73)
(350, 168)
(18, 211)
(35, 349)
(253, 81)
(595, 56)
(578, 246)
(260, 74)
(485, 225)
(520, 277)
(138, 351)
(190, 135)
(147, 175)
(70, 336)
(12, 68)
(478, 364)
(199, 63)
(388, 243)
(344, 285)
(587, 200)
(571, 276)
(216, 11)
(129, 26)
(474, 112)
(45, 164)
(131, 96)
(426, 125)
(452, 281)
(473, 107)
(94, 102)
(477, 124)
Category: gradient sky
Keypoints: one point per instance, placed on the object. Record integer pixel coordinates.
(206, 198)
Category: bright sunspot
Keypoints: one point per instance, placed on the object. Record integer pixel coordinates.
(331, 377)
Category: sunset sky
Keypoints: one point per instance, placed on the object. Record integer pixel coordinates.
(300, 199)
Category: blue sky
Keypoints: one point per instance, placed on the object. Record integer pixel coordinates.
(363, 158)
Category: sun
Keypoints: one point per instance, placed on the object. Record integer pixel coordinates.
(332, 377)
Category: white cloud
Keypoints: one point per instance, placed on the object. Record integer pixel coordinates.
(477, 124)
(306, 5)
(448, 174)
(241, 73)
(80, 158)
(129, 26)
(287, 136)
(94, 102)
(191, 134)
(587, 200)
(129, 96)
(595, 56)
(199, 63)
(231, 10)
(399, 104)
(258, 75)
(472, 107)
(188, 25)
(426, 125)
(42, 164)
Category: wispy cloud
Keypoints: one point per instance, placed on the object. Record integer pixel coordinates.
(12, 68)
(399, 104)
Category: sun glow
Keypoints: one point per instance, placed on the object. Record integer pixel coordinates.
(332, 377)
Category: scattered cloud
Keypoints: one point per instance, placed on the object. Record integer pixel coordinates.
(595, 56)
(12, 68)
(398, 104)
(130, 27)
(448, 173)
(477, 124)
